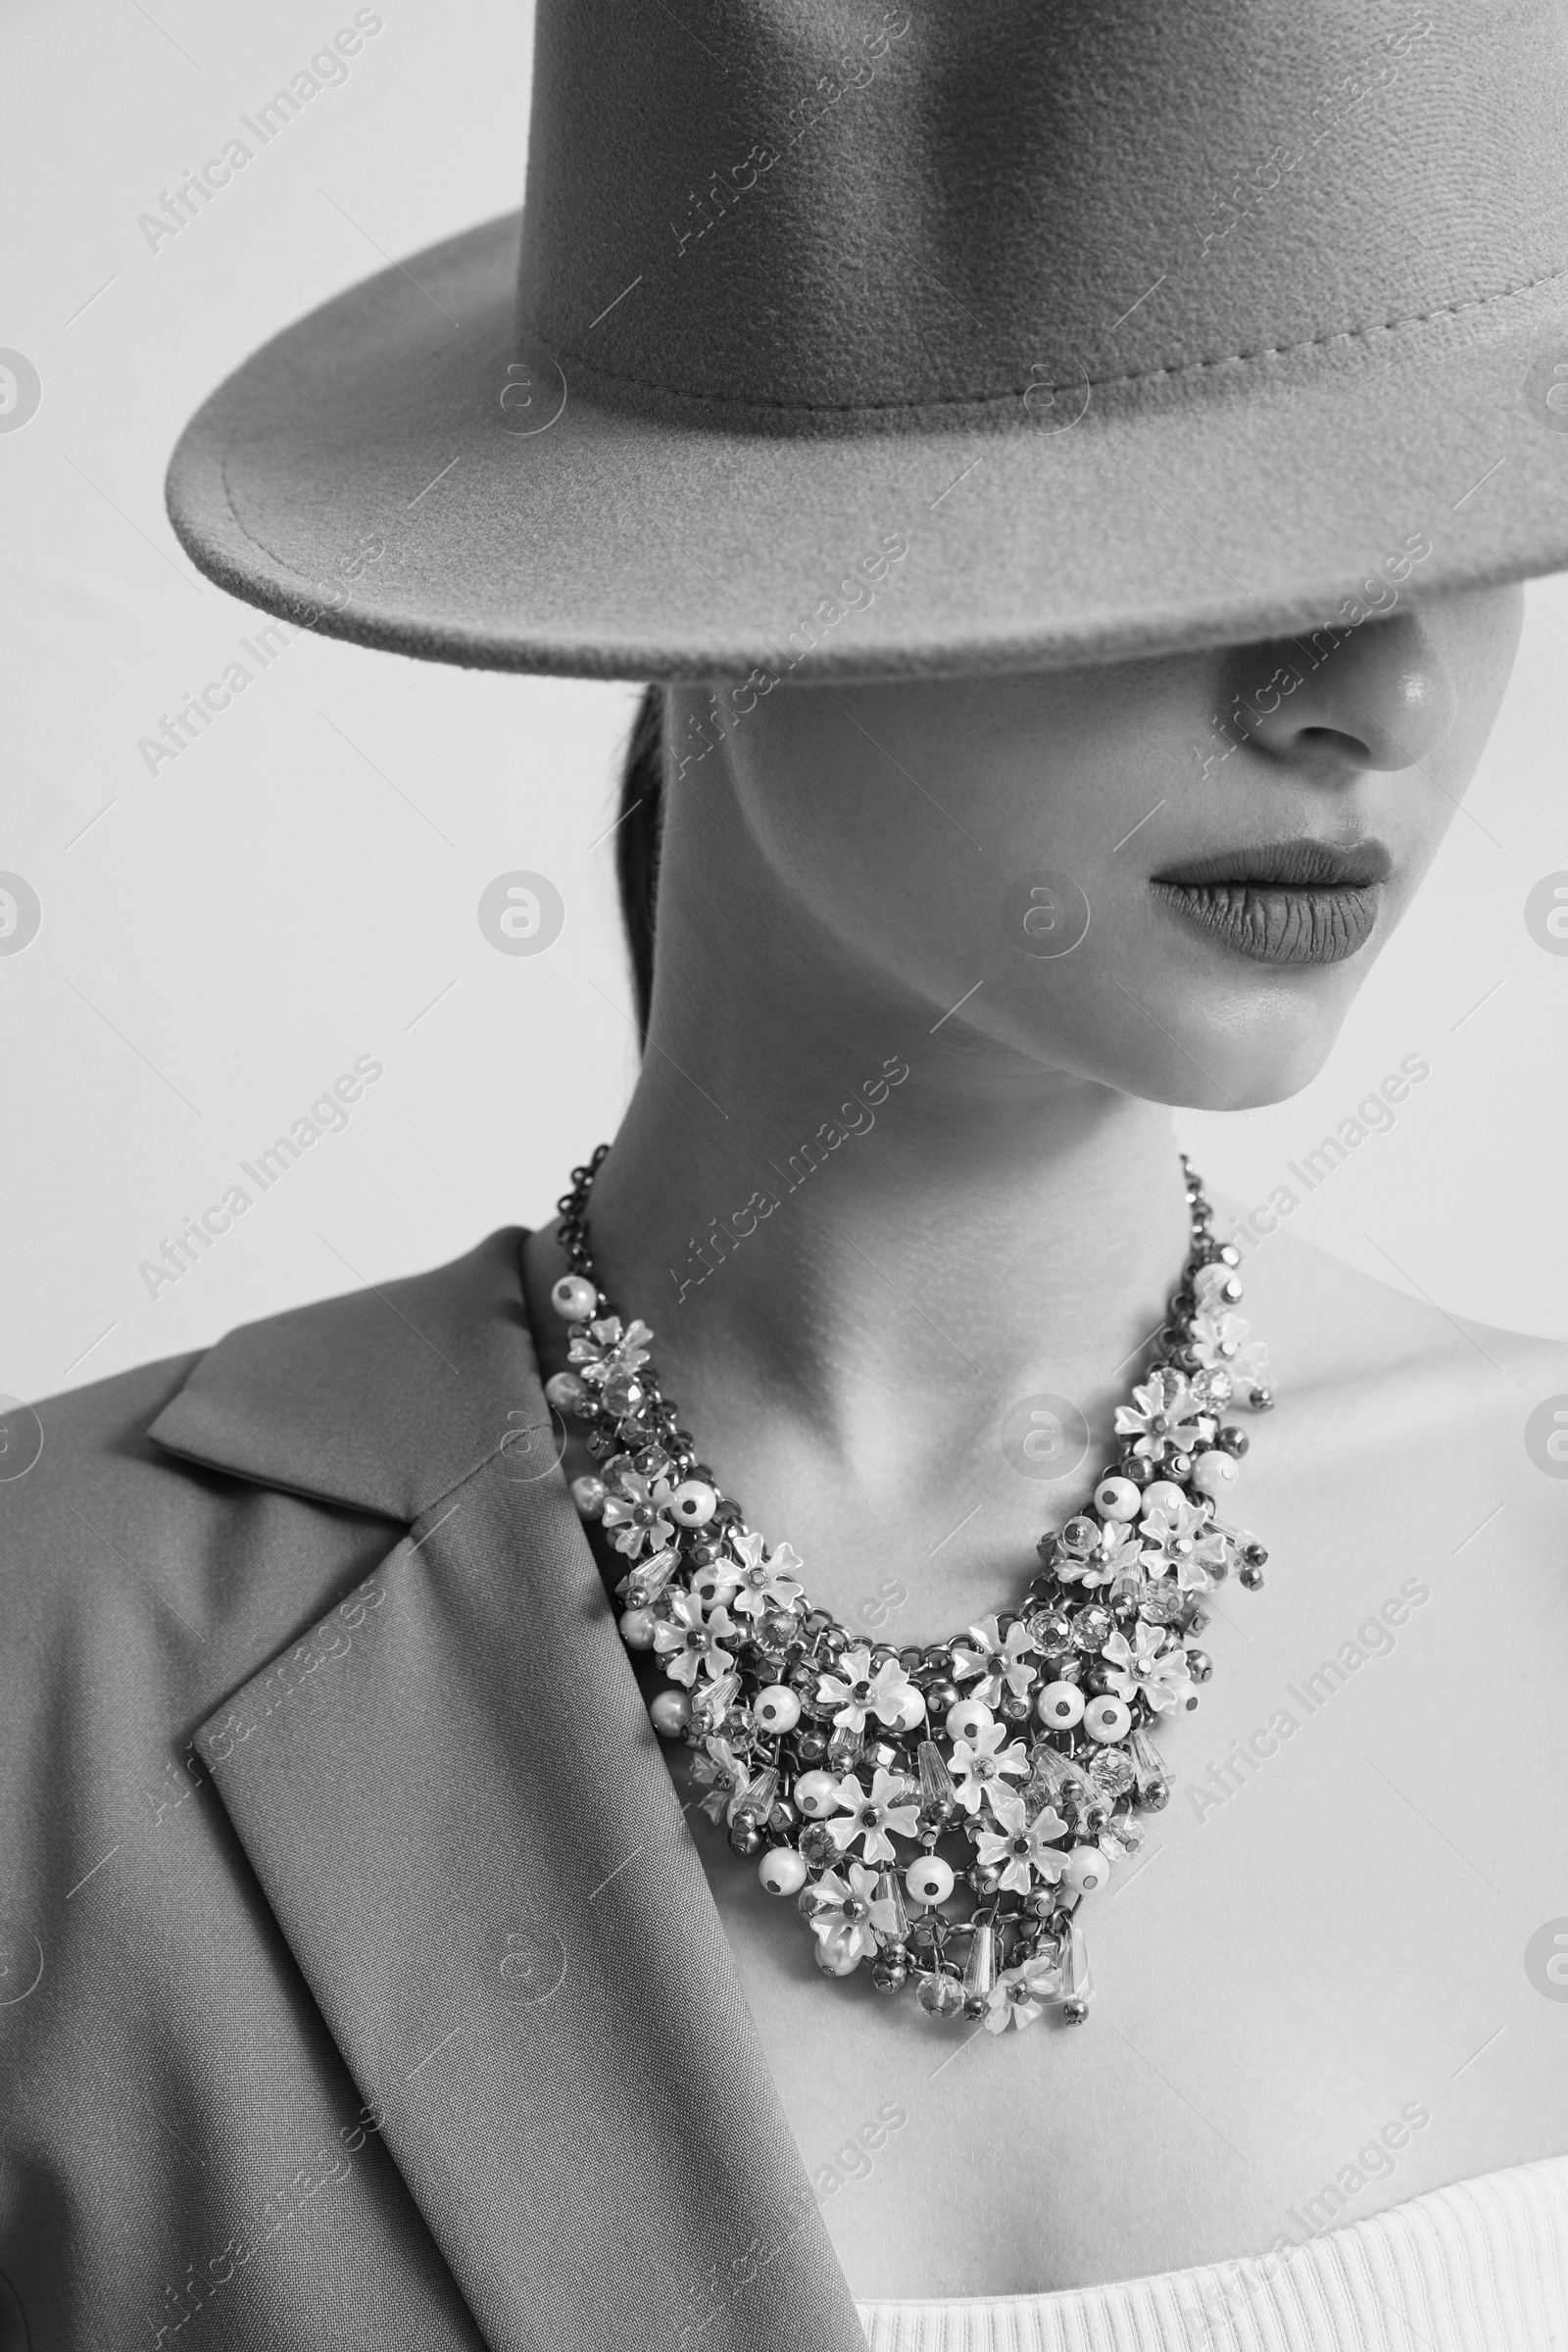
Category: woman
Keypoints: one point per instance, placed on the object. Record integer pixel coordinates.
(1061, 702)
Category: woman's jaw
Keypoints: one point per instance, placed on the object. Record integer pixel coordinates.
(1169, 877)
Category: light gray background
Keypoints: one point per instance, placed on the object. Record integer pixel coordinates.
(301, 887)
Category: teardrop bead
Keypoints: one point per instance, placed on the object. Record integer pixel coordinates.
(1153, 1780)
(980, 1969)
(756, 1800)
(937, 1792)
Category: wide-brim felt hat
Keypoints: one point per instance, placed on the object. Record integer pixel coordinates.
(852, 340)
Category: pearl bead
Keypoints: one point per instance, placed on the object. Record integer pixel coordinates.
(1107, 1717)
(776, 1709)
(1059, 1706)
(1087, 1868)
(588, 1493)
(693, 1502)
(930, 1880)
(575, 1299)
(817, 1793)
(1117, 1498)
(1162, 1494)
(1213, 1473)
(782, 1870)
(671, 1712)
(967, 1716)
(637, 1628)
(565, 1391)
(911, 1712)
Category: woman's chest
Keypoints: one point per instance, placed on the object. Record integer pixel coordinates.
(1314, 1989)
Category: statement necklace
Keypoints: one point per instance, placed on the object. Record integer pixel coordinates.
(941, 1812)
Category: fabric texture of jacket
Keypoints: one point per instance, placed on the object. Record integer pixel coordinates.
(360, 1983)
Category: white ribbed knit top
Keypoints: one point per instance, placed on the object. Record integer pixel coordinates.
(1481, 2267)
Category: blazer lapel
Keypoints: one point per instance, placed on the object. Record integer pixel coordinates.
(455, 1804)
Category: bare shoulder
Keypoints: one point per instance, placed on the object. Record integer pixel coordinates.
(1382, 1369)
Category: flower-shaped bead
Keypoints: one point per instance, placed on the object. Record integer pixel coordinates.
(843, 1910)
(1000, 1664)
(760, 1583)
(1162, 1418)
(606, 1348)
(688, 1642)
(1020, 1994)
(720, 1770)
(979, 1762)
(634, 1512)
(1019, 1848)
(1119, 1548)
(853, 1692)
(889, 1812)
(1148, 1664)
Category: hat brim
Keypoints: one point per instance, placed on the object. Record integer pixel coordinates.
(358, 472)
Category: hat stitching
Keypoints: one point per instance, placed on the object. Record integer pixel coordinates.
(1136, 375)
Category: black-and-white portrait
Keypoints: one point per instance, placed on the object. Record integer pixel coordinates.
(784, 972)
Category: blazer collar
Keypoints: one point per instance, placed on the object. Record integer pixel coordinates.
(384, 1399)
(455, 1804)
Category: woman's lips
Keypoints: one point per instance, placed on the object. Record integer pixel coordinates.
(1283, 901)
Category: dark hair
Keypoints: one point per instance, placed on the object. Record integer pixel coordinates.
(637, 836)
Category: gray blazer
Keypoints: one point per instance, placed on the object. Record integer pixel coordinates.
(360, 1983)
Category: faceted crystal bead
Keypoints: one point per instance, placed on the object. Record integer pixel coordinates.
(1092, 1627)
(1113, 1772)
(1161, 1601)
(817, 1846)
(940, 1995)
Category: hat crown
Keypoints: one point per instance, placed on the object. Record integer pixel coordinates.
(828, 213)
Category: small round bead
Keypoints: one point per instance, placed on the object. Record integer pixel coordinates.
(889, 1975)
(637, 1628)
(1162, 1494)
(1087, 1868)
(1235, 1440)
(930, 1880)
(817, 1793)
(1250, 1576)
(1199, 1665)
(1107, 1717)
(575, 1299)
(782, 1870)
(693, 1503)
(588, 1493)
(1117, 1498)
(1214, 1472)
(565, 1391)
(671, 1712)
(1059, 1706)
(967, 1716)
(940, 1696)
(776, 1709)
(1074, 2013)
(745, 1838)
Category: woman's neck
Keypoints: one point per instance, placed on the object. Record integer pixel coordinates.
(863, 1233)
